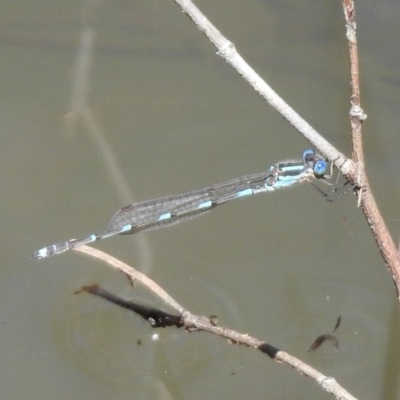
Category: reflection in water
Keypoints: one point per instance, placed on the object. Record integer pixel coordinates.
(360, 333)
(327, 337)
(104, 340)
(81, 107)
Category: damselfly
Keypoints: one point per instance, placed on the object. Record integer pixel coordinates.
(170, 210)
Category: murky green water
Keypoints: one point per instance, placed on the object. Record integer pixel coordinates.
(160, 114)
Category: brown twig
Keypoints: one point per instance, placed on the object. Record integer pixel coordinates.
(228, 52)
(132, 274)
(367, 202)
(200, 323)
(353, 170)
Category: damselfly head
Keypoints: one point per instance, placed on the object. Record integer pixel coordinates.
(315, 163)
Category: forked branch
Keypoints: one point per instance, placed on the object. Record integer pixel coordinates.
(193, 323)
(353, 170)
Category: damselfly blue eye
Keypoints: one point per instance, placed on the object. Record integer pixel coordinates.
(320, 168)
(308, 156)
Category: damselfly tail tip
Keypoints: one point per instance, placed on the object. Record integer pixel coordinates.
(38, 255)
(56, 249)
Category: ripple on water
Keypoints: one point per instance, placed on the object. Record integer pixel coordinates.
(115, 344)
